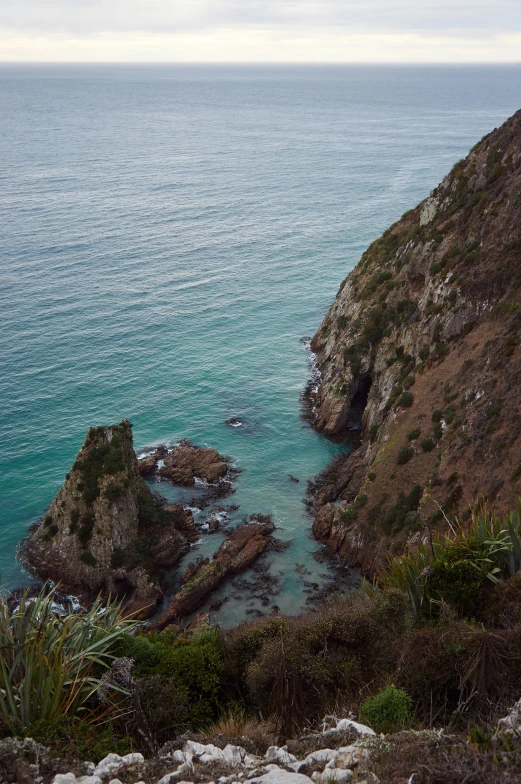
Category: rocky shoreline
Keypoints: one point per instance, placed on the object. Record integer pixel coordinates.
(107, 533)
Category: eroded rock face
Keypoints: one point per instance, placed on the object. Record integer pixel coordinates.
(420, 352)
(236, 554)
(184, 463)
(105, 523)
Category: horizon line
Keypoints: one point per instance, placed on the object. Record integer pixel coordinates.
(276, 63)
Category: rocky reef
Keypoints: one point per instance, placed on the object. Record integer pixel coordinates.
(235, 554)
(106, 532)
(419, 360)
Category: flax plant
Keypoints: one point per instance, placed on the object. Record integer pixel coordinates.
(51, 663)
(491, 546)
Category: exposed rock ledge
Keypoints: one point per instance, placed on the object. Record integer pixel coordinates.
(235, 554)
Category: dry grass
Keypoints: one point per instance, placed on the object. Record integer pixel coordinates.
(238, 725)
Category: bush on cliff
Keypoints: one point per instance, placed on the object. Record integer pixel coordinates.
(456, 569)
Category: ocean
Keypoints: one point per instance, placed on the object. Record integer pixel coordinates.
(168, 236)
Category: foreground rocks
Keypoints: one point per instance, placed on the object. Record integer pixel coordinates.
(237, 553)
(343, 751)
(192, 761)
(419, 360)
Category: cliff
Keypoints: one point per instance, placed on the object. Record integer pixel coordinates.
(419, 357)
(105, 531)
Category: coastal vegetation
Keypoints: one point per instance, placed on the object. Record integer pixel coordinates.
(436, 641)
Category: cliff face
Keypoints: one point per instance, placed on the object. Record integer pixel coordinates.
(420, 353)
(105, 531)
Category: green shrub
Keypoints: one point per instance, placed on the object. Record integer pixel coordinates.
(373, 432)
(427, 444)
(406, 399)
(405, 454)
(117, 559)
(86, 528)
(349, 515)
(437, 415)
(403, 514)
(186, 673)
(437, 430)
(88, 559)
(389, 711)
(71, 738)
(412, 435)
(293, 668)
(51, 532)
(113, 491)
(371, 476)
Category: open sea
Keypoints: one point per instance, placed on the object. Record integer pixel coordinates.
(168, 235)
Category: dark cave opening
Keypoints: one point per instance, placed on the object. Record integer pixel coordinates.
(358, 403)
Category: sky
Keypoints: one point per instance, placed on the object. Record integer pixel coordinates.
(298, 31)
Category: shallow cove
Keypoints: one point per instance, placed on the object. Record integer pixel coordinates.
(170, 233)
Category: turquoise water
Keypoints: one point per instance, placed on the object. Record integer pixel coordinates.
(169, 234)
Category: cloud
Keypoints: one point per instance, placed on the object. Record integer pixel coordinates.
(84, 17)
(261, 30)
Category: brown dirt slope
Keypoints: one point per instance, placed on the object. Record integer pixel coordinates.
(423, 338)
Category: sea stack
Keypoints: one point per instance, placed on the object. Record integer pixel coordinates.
(105, 531)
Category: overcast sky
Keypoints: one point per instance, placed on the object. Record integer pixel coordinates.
(261, 30)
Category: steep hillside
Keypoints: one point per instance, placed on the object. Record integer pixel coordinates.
(420, 353)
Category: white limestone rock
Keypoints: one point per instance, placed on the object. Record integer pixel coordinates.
(345, 724)
(280, 754)
(280, 777)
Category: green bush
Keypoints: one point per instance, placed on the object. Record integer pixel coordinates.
(113, 491)
(71, 738)
(293, 668)
(406, 399)
(427, 444)
(389, 711)
(117, 559)
(437, 415)
(405, 454)
(412, 435)
(88, 559)
(174, 670)
(86, 528)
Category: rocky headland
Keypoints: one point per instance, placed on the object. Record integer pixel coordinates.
(107, 533)
(419, 361)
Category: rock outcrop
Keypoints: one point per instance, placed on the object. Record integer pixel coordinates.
(235, 554)
(105, 531)
(184, 463)
(419, 359)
